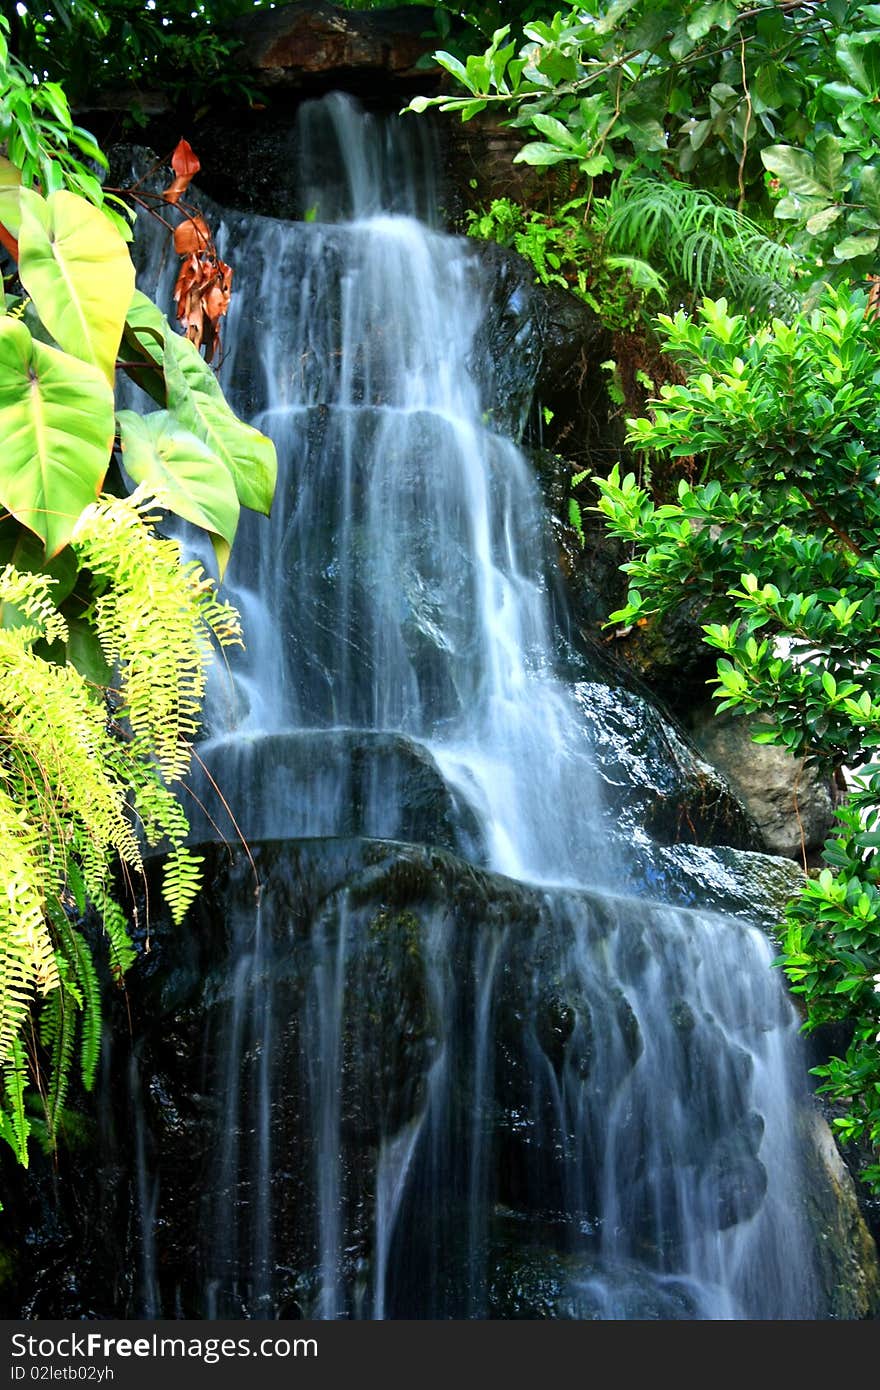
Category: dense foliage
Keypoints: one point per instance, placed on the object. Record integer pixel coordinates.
(671, 123)
(729, 148)
(780, 542)
(770, 103)
(104, 631)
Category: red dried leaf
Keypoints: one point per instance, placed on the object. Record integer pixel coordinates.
(185, 164)
(216, 303)
(185, 160)
(192, 235)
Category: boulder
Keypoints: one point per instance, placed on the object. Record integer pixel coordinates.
(289, 44)
(792, 805)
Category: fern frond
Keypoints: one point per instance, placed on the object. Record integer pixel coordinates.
(73, 786)
(113, 919)
(49, 713)
(58, 1035)
(27, 958)
(706, 246)
(84, 989)
(155, 621)
(14, 1124)
(181, 880)
(31, 595)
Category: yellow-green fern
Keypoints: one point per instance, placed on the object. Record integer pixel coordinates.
(84, 781)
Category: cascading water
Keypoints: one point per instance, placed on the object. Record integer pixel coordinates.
(443, 1090)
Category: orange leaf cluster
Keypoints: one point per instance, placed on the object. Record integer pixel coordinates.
(204, 283)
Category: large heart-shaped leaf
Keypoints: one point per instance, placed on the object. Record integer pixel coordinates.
(146, 326)
(185, 474)
(144, 339)
(56, 423)
(10, 216)
(195, 398)
(24, 550)
(77, 269)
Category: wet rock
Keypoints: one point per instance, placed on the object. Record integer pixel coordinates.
(319, 45)
(733, 881)
(541, 1284)
(847, 1255)
(347, 1023)
(792, 805)
(655, 777)
(334, 782)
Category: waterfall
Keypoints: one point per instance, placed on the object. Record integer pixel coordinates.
(460, 1067)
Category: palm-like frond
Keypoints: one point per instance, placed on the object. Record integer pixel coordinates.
(707, 247)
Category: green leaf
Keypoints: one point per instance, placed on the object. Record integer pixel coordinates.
(869, 190)
(144, 337)
(555, 131)
(853, 246)
(829, 164)
(720, 13)
(76, 268)
(186, 476)
(537, 153)
(821, 221)
(10, 188)
(56, 422)
(454, 66)
(148, 327)
(797, 170)
(859, 56)
(85, 653)
(196, 400)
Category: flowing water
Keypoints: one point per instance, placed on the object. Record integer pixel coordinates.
(592, 1108)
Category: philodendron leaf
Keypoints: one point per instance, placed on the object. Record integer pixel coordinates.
(77, 270)
(10, 215)
(56, 424)
(144, 338)
(185, 475)
(147, 326)
(195, 399)
(85, 653)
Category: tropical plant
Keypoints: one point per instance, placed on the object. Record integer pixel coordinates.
(773, 104)
(104, 631)
(565, 249)
(699, 243)
(779, 540)
(44, 146)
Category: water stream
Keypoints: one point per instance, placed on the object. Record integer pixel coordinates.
(592, 1104)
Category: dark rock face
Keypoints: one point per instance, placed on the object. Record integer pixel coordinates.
(655, 778)
(345, 782)
(290, 44)
(401, 1040)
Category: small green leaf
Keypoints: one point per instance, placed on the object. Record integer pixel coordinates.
(852, 246)
(540, 154)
